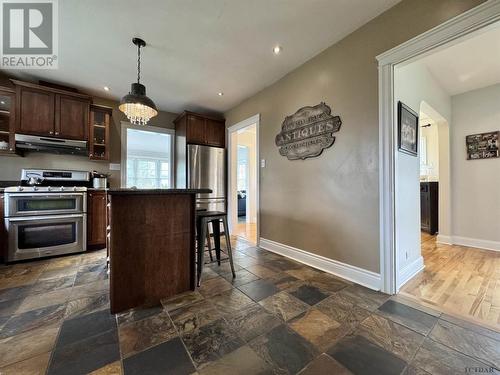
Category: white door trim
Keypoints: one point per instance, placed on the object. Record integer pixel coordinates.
(255, 119)
(451, 31)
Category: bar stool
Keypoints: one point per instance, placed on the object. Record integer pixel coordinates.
(203, 218)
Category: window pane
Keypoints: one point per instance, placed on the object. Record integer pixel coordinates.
(148, 159)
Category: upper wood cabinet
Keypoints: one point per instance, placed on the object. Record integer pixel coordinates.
(7, 120)
(72, 117)
(100, 119)
(202, 130)
(51, 112)
(35, 112)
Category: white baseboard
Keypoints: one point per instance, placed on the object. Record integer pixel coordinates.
(410, 270)
(355, 274)
(447, 240)
(469, 242)
(475, 242)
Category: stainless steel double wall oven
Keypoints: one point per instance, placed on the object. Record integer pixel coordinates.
(46, 220)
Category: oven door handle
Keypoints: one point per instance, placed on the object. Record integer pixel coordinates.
(44, 195)
(45, 217)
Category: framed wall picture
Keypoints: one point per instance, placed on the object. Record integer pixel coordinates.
(482, 146)
(407, 130)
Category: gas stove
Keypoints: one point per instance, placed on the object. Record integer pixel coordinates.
(46, 214)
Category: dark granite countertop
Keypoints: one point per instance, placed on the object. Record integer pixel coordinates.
(123, 191)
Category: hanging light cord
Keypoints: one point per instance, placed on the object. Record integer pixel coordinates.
(138, 63)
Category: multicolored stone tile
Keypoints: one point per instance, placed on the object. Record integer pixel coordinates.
(252, 321)
(259, 289)
(283, 349)
(193, 316)
(242, 361)
(167, 358)
(181, 300)
(33, 319)
(391, 336)
(408, 316)
(211, 342)
(361, 356)
(284, 305)
(28, 344)
(142, 334)
(318, 328)
(36, 365)
(308, 293)
(324, 364)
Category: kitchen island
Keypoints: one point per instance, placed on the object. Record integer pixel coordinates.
(151, 245)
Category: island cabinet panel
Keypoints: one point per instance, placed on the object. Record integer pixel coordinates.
(72, 117)
(96, 219)
(152, 245)
(36, 112)
(3, 231)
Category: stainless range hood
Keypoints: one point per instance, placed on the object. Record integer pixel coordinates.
(52, 145)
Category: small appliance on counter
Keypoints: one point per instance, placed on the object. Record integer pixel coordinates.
(46, 214)
(99, 180)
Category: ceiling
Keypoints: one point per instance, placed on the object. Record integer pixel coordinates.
(196, 48)
(469, 65)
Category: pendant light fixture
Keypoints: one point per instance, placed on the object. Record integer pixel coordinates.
(136, 105)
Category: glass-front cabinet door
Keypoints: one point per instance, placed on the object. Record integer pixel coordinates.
(99, 132)
(7, 118)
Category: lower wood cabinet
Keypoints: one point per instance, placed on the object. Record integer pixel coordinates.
(429, 206)
(96, 219)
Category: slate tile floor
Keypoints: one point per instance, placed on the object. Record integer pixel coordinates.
(276, 317)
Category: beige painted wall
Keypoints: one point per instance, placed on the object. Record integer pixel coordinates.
(329, 205)
(474, 183)
(11, 166)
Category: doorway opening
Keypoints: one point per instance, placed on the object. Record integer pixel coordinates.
(243, 179)
(444, 249)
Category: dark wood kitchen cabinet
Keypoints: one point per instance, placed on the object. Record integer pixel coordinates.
(201, 130)
(96, 219)
(35, 112)
(100, 119)
(51, 112)
(7, 120)
(3, 231)
(429, 207)
(71, 117)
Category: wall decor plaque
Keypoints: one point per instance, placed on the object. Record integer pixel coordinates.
(482, 146)
(307, 132)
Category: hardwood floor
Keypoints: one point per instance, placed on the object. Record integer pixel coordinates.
(247, 231)
(458, 280)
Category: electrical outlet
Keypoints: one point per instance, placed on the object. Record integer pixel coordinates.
(262, 163)
(406, 254)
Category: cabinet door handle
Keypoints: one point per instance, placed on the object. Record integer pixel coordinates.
(57, 133)
(51, 132)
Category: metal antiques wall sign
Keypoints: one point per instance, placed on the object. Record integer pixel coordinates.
(307, 132)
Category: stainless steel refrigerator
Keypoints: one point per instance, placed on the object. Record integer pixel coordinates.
(206, 168)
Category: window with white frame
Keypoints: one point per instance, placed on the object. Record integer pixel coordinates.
(148, 157)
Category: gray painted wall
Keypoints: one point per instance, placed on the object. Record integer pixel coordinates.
(329, 205)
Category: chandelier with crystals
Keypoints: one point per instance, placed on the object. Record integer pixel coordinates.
(138, 108)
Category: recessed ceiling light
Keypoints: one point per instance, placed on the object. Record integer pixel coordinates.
(106, 88)
(220, 93)
(277, 50)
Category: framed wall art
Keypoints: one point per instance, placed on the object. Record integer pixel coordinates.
(407, 130)
(482, 146)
